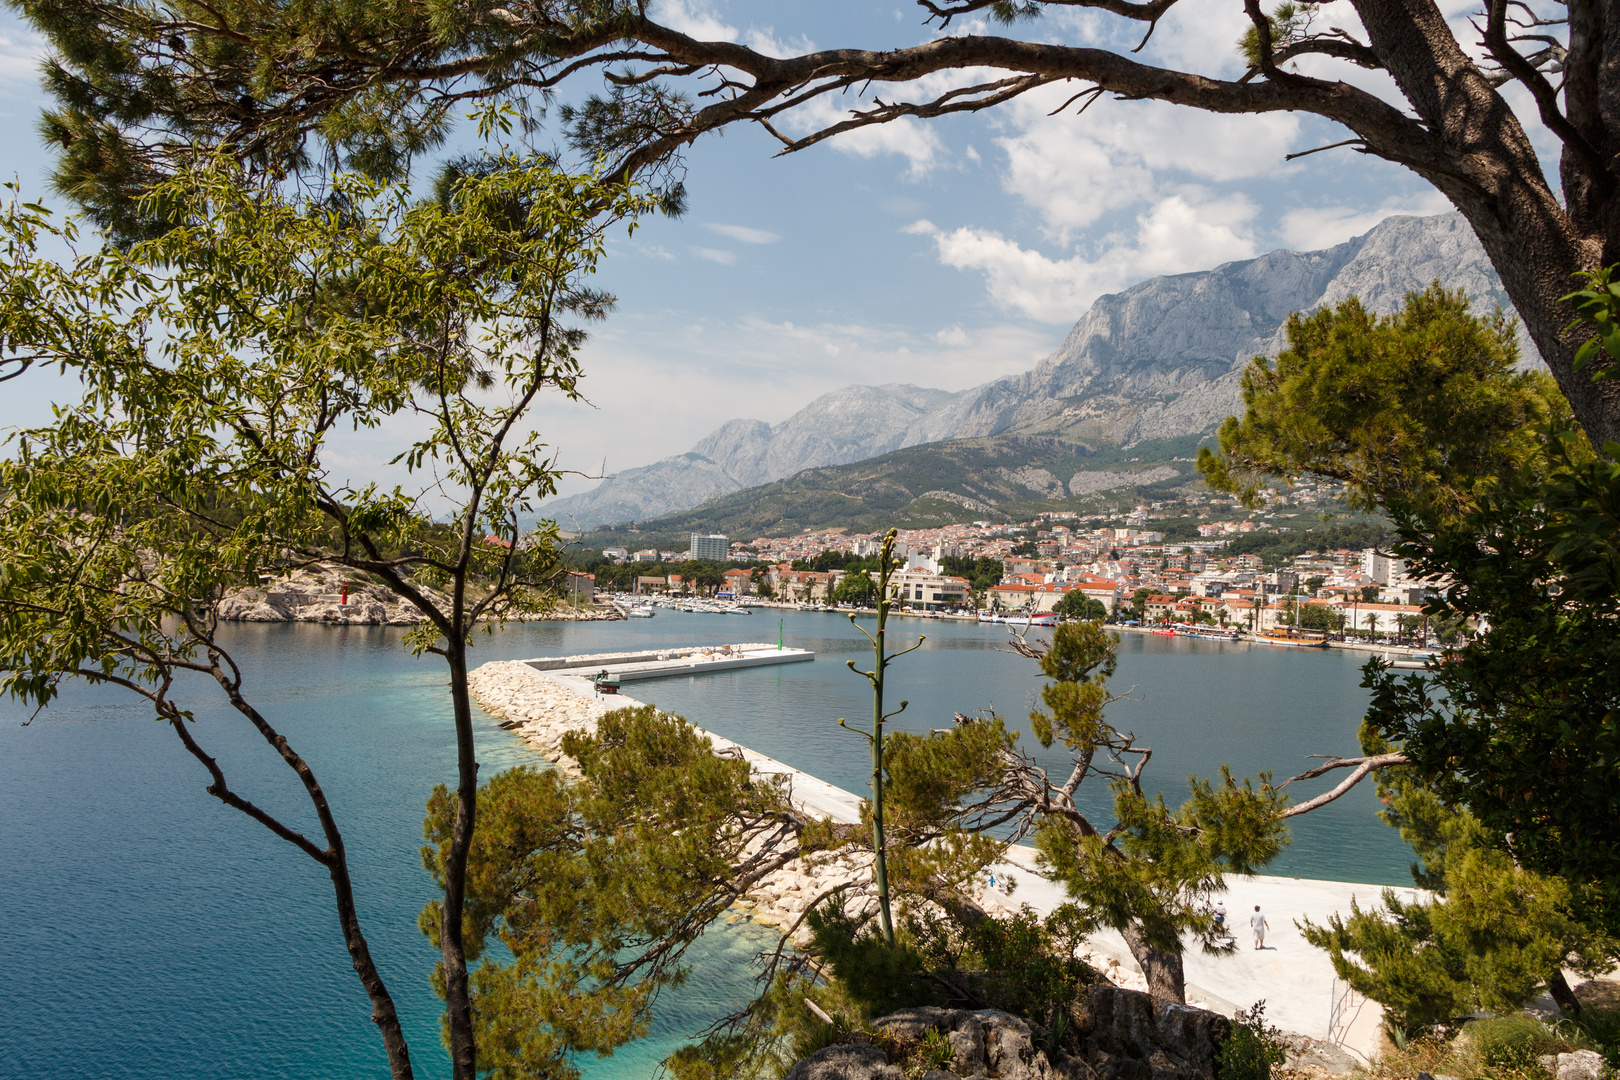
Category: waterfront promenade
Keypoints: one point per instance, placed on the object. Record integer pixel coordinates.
(1296, 981)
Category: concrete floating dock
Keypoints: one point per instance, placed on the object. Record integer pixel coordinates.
(666, 663)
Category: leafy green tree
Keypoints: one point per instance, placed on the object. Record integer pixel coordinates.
(1319, 617)
(1139, 603)
(1496, 935)
(1077, 605)
(1252, 1048)
(1147, 875)
(195, 459)
(982, 574)
(856, 587)
(658, 834)
(1519, 727)
(1415, 411)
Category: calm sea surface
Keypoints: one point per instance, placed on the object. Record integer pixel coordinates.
(147, 931)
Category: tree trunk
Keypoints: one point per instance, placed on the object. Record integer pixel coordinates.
(1568, 1003)
(1491, 173)
(457, 996)
(1166, 976)
(335, 858)
(880, 856)
(383, 1013)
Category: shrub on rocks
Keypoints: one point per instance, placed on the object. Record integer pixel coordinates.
(1128, 1036)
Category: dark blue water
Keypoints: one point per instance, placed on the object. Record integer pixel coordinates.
(151, 932)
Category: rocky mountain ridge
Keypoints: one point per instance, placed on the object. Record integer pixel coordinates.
(995, 478)
(1159, 360)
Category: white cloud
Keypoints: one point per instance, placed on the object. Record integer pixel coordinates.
(693, 19)
(696, 19)
(1180, 233)
(1315, 227)
(914, 141)
(724, 258)
(21, 53)
(765, 41)
(1072, 170)
(742, 233)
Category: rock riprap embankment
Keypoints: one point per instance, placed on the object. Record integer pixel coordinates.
(541, 710)
(1119, 1035)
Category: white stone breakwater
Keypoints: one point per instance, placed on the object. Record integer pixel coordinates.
(1297, 982)
(543, 706)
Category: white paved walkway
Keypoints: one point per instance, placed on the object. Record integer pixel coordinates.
(1295, 980)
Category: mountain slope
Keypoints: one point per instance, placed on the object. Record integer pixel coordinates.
(851, 424)
(939, 483)
(1159, 360)
(1164, 358)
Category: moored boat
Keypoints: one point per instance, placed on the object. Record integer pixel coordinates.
(1293, 637)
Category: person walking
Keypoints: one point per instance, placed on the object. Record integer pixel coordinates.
(1257, 922)
(1220, 919)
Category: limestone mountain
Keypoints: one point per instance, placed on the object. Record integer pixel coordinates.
(850, 424)
(994, 478)
(1159, 360)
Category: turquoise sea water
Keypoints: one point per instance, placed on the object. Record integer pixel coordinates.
(151, 932)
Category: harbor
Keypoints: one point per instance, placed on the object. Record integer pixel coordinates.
(542, 699)
(255, 972)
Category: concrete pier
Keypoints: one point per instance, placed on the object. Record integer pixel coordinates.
(665, 663)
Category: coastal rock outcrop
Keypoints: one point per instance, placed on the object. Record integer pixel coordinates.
(1122, 1035)
(344, 597)
(322, 595)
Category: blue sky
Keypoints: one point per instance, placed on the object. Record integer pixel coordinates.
(942, 253)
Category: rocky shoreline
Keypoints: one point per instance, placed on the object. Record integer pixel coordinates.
(334, 596)
(541, 710)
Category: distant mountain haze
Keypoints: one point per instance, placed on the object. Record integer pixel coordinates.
(1159, 360)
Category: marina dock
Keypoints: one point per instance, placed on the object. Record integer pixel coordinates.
(666, 663)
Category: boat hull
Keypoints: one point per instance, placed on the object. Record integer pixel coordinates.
(1289, 643)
